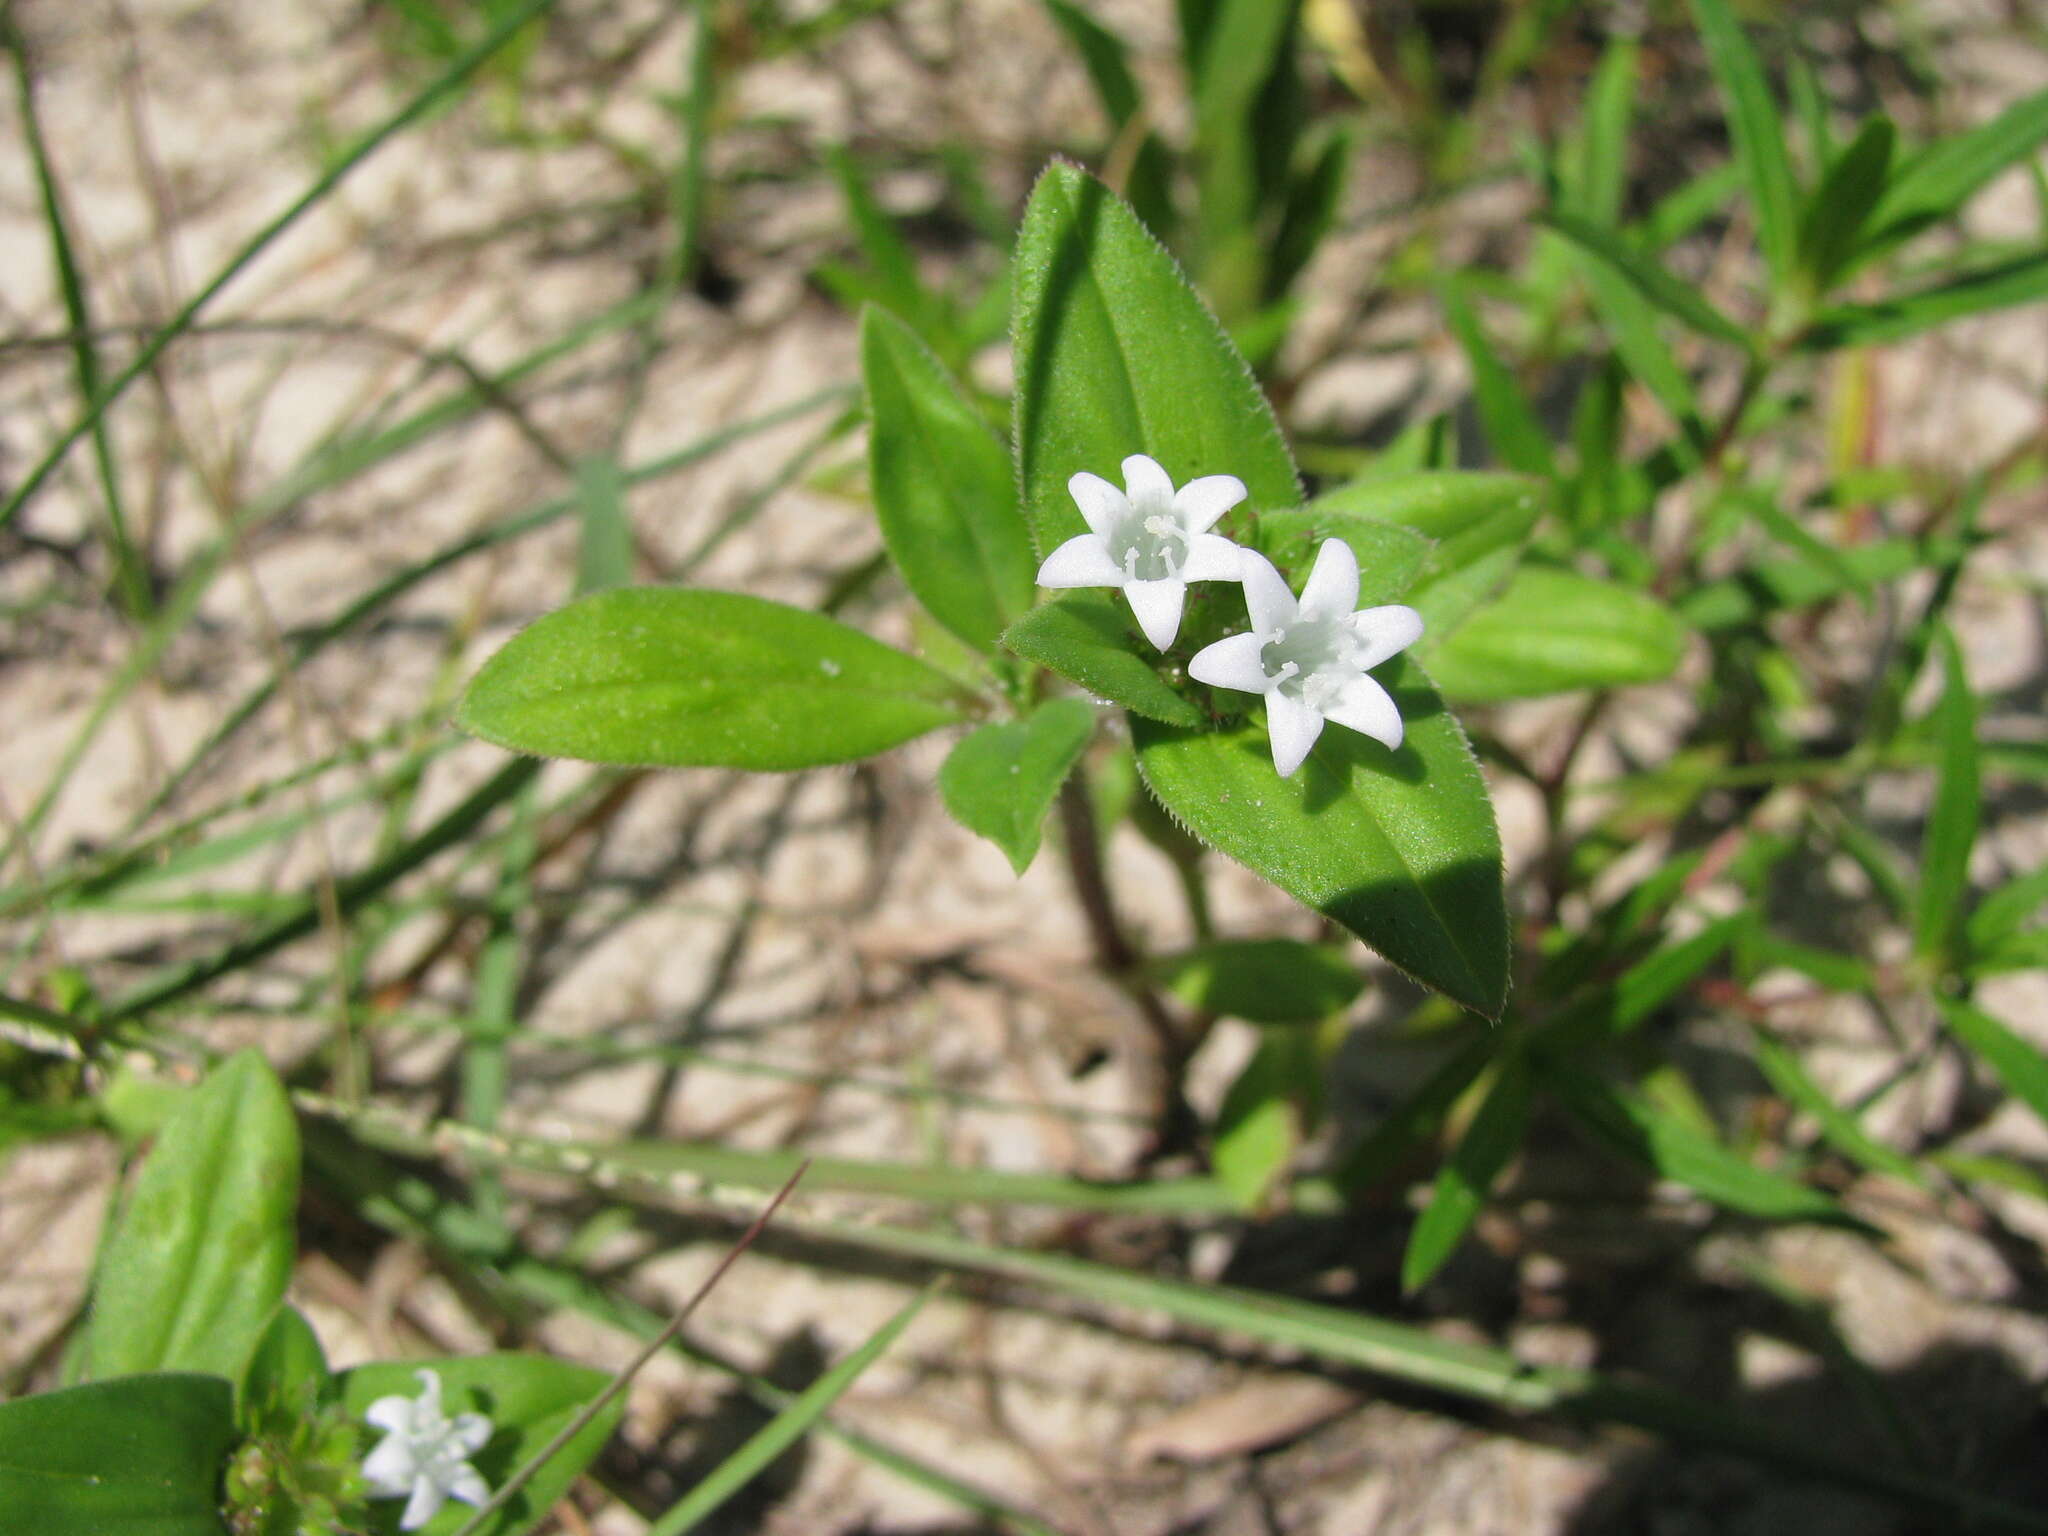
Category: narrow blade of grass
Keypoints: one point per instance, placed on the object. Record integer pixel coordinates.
(786, 1428)
(1493, 1137)
(1952, 824)
(131, 574)
(1758, 132)
(2017, 1064)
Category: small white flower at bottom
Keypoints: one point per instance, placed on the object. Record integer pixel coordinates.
(1148, 539)
(1309, 657)
(424, 1456)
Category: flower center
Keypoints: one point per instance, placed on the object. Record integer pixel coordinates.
(1312, 660)
(1152, 548)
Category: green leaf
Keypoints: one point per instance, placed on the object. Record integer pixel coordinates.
(1758, 133)
(1313, 199)
(287, 1369)
(1768, 587)
(1468, 513)
(1389, 557)
(673, 677)
(1844, 1132)
(1400, 848)
(943, 487)
(202, 1249)
(1259, 1124)
(1106, 57)
(1093, 640)
(892, 266)
(2022, 280)
(1115, 355)
(1841, 205)
(1952, 824)
(1491, 1138)
(1666, 1145)
(1512, 430)
(786, 1428)
(1647, 275)
(528, 1399)
(1939, 180)
(1552, 630)
(2017, 1062)
(1000, 780)
(1247, 120)
(1266, 981)
(137, 1457)
(604, 547)
(1631, 322)
(2000, 914)
(1479, 521)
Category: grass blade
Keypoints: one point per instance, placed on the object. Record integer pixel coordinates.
(2017, 1063)
(1647, 276)
(131, 574)
(2021, 280)
(1513, 431)
(1482, 1152)
(1952, 824)
(1758, 132)
(786, 1428)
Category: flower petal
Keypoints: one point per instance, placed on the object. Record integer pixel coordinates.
(1266, 594)
(1331, 591)
(1083, 561)
(1292, 728)
(1100, 502)
(1232, 663)
(1211, 557)
(424, 1504)
(1157, 605)
(393, 1414)
(470, 1433)
(468, 1485)
(1148, 487)
(1383, 631)
(1368, 708)
(390, 1468)
(1201, 502)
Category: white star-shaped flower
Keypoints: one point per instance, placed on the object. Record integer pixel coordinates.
(1149, 539)
(424, 1456)
(1309, 658)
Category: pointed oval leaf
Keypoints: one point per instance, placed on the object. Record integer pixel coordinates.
(528, 1399)
(1553, 630)
(1000, 780)
(1092, 640)
(1116, 355)
(944, 489)
(137, 1457)
(675, 677)
(1400, 848)
(200, 1253)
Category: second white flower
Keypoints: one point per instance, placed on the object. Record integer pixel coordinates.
(1309, 657)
